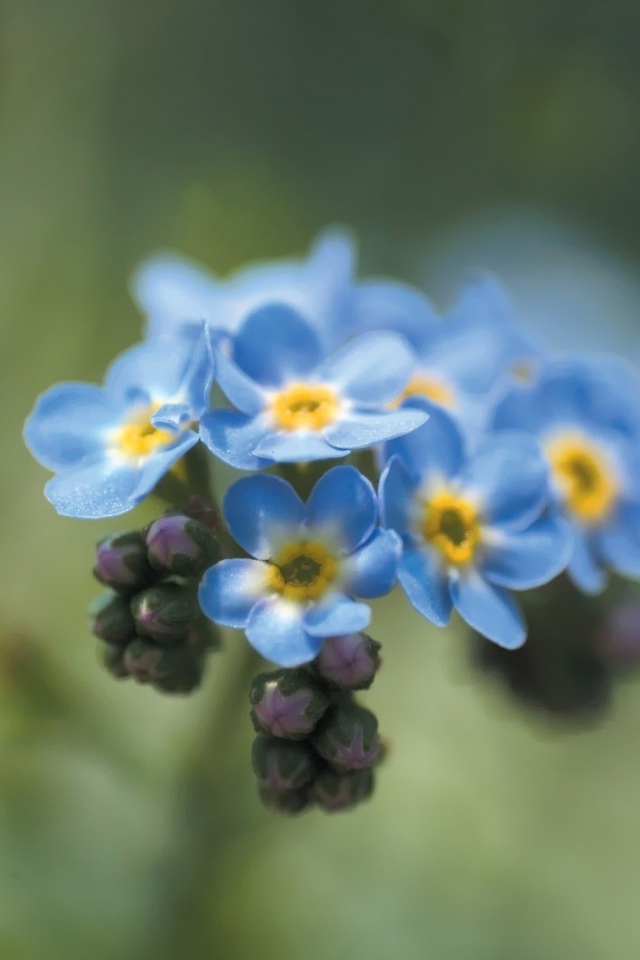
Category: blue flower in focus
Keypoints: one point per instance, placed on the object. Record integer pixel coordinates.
(473, 527)
(461, 360)
(309, 562)
(109, 446)
(295, 403)
(584, 412)
(176, 295)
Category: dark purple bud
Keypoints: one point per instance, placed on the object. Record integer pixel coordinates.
(185, 675)
(347, 737)
(286, 703)
(122, 563)
(349, 662)
(179, 545)
(111, 619)
(173, 669)
(112, 659)
(287, 802)
(165, 613)
(282, 765)
(334, 792)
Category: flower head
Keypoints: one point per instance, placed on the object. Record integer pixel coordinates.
(473, 526)
(584, 412)
(309, 562)
(297, 404)
(176, 295)
(110, 445)
(460, 360)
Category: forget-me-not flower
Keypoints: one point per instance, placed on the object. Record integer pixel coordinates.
(585, 413)
(295, 403)
(462, 358)
(310, 560)
(110, 445)
(473, 527)
(176, 295)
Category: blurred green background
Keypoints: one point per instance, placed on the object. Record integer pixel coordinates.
(444, 131)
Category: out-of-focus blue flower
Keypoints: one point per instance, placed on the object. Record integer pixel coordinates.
(585, 413)
(473, 527)
(176, 295)
(110, 445)
(295, 403)
(461, 360)
(309, 561)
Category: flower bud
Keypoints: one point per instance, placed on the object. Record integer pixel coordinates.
(349, 662)
(112, 658)
(121, 562)
(186, 675)
(164, 613)
(334, 792)
(111, 619)
(286, 703)
(171, 668)
(282, 765)
(180, 545)
(287, 802)
(347, 737)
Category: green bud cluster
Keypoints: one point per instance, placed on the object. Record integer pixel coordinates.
(148, 622)
(316, 746)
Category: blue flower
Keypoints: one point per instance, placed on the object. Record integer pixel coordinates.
(473, 527)
(585, 413)
(176, 295)
(110, 445)
(294, 403)
(309, 561)
(461, 359)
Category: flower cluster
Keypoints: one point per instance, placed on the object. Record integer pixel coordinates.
(498, 465)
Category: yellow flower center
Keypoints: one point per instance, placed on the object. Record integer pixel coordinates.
(584, 475)
(139, 437)
(421, 385)
(305, 406)
(451, 524)
(302, 571)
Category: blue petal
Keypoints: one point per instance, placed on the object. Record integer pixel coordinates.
(296, 446)
(619, 542)
(174, 293)
(336, 615)
(258, 508)
(276, 345)
(95, 488)
(362, 429)
(436, 448)
(390, 305)
(584, 568)
(230, 589)
(510, 476)
(372, 370)
(240, 389)
(69, 422)
(153, 467)
(157, 371)
(233, 436)
(482, 301)
(397, 497)
(372, 570)
(171, 416)
(425, 584)
(275, 630)
(343, 504)
(531, 557)
(490, 610)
